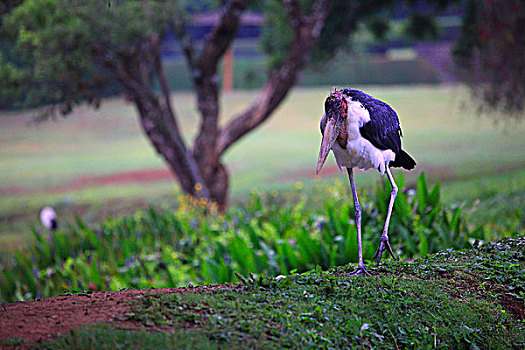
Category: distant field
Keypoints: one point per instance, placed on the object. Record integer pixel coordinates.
(39, 163)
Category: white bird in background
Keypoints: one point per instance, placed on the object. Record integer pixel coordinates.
(48, 217)
(363, 133)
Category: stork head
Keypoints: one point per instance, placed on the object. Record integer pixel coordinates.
(335, 108)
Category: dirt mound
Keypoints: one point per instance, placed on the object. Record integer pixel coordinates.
(42, 320)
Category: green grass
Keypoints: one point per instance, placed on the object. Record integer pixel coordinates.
(462, 300)
(495, 199)
(12, 341)
(104, 336)
(450, 145)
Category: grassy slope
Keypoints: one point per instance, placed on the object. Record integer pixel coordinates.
(465, 300)
(448, 143)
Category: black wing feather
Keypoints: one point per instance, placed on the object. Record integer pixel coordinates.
(383, 130)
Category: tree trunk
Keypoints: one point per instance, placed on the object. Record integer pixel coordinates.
(200, 171)
(197, 172)
(307, 29)
(200, 174)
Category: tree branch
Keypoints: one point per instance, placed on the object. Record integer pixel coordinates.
(186, 42)
(206, 85)
(164, 84)
(222, 35)
(158, 122)
(282, 79)
(293, 11)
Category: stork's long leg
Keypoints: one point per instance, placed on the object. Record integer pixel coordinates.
(384, 242)
(357, 212)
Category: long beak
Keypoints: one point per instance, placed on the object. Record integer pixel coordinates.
(329, 136)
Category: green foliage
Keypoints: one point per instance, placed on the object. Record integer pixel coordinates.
(16, 341)
(270, 234)
(344, 19)
(451, 300)
(488, 55)
(421, 27)
(277, 36)
(378, 26)
(492, 264)
(50, 52)
(54, 47)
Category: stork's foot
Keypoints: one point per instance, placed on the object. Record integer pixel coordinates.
(384, 244)
(361, 270)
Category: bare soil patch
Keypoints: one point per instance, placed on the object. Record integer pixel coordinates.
(472, 286)
(136, 176)
(43, 320)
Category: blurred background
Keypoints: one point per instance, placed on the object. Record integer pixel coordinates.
(82, 148)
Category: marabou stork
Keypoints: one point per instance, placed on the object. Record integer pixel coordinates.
(48, 217)
(363, 133)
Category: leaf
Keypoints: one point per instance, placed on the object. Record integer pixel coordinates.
(433, 198)
(402, 207)
(423, 244)
(351, 249)
(456, 222)
(430, 217)
(242, 254)
(422, 193)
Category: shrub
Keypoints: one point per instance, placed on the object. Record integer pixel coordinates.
(270, 234)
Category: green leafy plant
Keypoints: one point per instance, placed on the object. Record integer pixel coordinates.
(269, 234)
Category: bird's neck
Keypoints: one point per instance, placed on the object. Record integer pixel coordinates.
(342, 138)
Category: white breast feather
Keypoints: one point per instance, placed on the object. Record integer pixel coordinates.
(359, 152)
